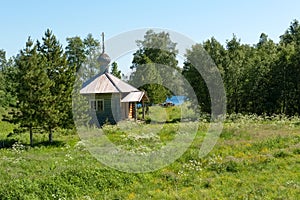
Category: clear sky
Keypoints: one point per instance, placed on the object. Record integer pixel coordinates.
(196, 19)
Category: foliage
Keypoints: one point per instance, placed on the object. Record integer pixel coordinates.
(2, 80)
(7, 81)
(63, 76)
(154, 63)
(149, 80)
(82, 54)
(2, 90)
(196, 56)
(115, 71)
(75, 52)
(41, 80)
(90, 66)
(33, 90)
(258, 79)
(80, 105)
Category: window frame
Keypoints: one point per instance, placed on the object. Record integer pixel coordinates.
(96, 106)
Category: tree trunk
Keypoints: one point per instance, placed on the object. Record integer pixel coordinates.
(135, 112)
(143, 104)
(50, 136)
(30, 136)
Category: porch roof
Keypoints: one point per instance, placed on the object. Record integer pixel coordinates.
(133, 97)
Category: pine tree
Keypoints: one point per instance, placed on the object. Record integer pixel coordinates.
(63, 76)
(75, 52)
(33, 89)
(114, 70)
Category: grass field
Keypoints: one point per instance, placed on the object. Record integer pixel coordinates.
(255, 158)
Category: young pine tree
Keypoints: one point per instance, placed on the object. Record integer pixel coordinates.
(114, 70)
(63, 76)
(33, 90)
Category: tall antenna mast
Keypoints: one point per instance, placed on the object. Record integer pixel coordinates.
(102, 42)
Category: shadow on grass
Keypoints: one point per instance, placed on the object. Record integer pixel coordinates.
(296, 123)
(175, 120)
(172, 121)
(49, 144)
(7, 143)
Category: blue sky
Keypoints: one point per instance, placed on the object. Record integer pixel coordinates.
(196, 19)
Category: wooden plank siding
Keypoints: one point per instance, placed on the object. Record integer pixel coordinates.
(125, 110)
(111, 112)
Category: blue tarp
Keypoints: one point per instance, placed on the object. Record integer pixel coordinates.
(176, 100)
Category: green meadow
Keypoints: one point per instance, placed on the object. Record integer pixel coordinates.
(254, 158)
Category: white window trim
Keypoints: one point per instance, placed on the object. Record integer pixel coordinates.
(97, 104)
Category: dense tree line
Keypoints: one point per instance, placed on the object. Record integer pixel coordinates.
(262, 78)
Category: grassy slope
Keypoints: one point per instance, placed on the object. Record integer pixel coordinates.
(258, 160)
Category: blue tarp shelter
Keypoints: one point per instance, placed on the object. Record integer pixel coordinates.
(176, 100)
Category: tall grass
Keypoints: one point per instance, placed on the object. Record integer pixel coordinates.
(256, 157)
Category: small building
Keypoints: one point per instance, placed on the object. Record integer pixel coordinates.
(110, 98)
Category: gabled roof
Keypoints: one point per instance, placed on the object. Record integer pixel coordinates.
(106, 83)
